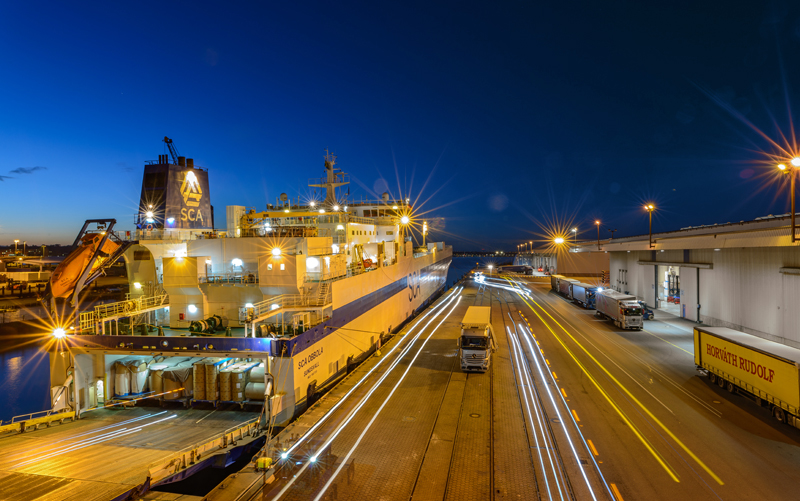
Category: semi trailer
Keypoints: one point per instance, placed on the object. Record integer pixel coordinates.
(764, 370)
(565, 286)
(554, 281)
(623, 309)
(583, 294)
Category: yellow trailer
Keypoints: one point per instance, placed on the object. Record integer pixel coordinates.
(740, 362)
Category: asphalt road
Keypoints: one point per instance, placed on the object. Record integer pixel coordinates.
(659, 429)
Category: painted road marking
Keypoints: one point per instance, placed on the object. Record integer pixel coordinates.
(576, 415)
(591, 446)
(564, 393)
(616, 492)
(554, 376)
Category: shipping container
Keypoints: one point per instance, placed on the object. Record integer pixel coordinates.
(743, 363)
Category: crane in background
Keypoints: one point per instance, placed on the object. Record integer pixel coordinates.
(172, 150)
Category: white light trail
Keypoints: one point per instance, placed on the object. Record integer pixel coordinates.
(324, 418)
(94, 441)
(561, 420)
(375, 416)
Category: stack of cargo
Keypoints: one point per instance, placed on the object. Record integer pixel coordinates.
(255, 388)
(156, 378)
(238, 380)
(131, 375)
(122, 378)
(177, 377)
(199, 380)
(225, 383)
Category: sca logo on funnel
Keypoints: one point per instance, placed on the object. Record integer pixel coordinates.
(190, 189)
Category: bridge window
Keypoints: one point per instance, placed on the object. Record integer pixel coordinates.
(283, 266)
(269, 267)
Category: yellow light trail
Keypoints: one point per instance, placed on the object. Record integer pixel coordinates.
(627, 392)
(610, 400)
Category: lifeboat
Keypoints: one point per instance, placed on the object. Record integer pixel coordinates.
(66, 275)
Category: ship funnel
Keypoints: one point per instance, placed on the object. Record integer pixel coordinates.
(182, 161)
(190, 163)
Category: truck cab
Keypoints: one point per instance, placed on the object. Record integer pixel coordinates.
(476, 343)
(630, 315)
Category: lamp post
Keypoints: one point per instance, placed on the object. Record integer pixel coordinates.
(15, 247)
(424, 232)
(574, 235)
(490, 270)
(25, 248)
(531, 246)
(650, 208)
(597, 223)
(792, 171)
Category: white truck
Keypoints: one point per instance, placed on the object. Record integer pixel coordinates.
(623, 309)
(476, 344)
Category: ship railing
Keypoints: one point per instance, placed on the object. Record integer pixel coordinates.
(281, 301)
(352, 270)
(130, 307)
(38, 414)
(229, 278)
(188, 456)
(321, 181)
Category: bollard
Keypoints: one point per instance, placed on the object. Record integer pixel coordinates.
(160, 331)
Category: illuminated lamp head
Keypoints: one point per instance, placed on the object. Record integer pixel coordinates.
(59, 333)
(236, 262)
(276, 251)
(192, 308)
(559, 240)
(137, 285)
(405, 220)
(796, 161)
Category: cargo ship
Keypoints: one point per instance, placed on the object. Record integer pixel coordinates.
(302, 289)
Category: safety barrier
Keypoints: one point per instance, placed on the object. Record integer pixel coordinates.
(23, 422)
(185, 458)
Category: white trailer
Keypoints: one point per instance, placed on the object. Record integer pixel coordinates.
(476, 343)
(623, 309)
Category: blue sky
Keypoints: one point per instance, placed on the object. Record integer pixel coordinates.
(529, 113)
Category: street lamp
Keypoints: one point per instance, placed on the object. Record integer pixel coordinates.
(575, 235)
(424, 232)
(559, 240)
(531, 245)
(490, 270)
(793, 172)
(650, 208)
(597, 223)
(15, 247)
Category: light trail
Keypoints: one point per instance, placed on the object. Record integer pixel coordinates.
(132, 400)
(301, 440)
(375, 416)
(573, 416)
(82, 445)
(528, 394)
(363, 401)
(624, 389)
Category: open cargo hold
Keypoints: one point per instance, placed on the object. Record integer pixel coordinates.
(767, 370)
(130, 375)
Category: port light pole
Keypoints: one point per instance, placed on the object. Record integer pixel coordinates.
(650, 208)
(597, 223)
(16, 242)
(792, 171)
(575, 235)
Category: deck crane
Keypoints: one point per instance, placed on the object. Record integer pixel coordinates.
(172, 151)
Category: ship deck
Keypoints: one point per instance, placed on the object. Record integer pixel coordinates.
(105, 454)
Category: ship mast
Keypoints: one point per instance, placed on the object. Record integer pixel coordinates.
(334, 178)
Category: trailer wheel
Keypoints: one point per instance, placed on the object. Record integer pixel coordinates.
(721, 382)
(731, 387)
(712, 377)
(779, 414)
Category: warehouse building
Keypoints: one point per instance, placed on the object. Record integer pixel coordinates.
(743, 275)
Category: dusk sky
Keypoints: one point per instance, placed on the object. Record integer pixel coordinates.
(522, 113)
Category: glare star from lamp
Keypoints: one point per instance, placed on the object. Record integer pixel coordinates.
(650, 208)
(791, 171)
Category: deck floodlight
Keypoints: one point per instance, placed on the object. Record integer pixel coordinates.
(59, 333)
